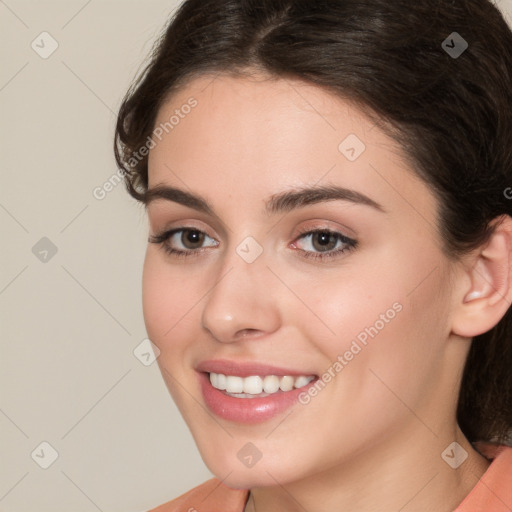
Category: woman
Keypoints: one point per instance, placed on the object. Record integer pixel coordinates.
(328, 273)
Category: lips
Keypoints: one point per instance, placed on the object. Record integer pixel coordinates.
(243, 398)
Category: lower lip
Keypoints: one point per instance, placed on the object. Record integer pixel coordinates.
(247, 410)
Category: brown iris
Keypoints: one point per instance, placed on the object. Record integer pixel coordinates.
(326, 241)
(192, 239)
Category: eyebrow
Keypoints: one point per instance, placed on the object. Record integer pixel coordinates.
(278, 203)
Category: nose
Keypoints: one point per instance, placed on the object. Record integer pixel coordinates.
(241, 303)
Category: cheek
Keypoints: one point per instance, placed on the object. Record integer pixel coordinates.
(378, 323)
(168, 299)
(355, 303)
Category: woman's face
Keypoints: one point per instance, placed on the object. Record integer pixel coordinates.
(361, 305)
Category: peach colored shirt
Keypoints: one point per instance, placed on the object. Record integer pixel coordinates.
(492, 493)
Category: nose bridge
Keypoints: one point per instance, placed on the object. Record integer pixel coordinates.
(240, 300)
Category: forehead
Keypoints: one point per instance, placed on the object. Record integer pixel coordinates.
(267, 121)
(274, 109)
(258, 135)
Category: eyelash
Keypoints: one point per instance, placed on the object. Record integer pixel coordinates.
(350, 243)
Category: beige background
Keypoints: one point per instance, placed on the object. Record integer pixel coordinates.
(70, 321)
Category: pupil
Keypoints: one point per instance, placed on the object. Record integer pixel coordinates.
(324, 238)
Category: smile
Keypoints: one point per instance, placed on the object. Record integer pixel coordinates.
(248, 392)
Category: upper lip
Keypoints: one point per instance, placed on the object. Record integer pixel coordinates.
(246, 368)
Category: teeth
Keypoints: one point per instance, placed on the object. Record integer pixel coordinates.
(256, 385)
(234, 384)
(271, 384)
(221, 381)
(301, 381)
(253, 385)
(286, 383)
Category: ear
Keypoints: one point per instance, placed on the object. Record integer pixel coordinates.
(486, 285)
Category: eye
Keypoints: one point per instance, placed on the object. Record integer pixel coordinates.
(183, 242)
(324, 243)
(319, 244)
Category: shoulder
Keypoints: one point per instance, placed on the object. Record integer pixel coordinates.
(493, 492)
(207, 497)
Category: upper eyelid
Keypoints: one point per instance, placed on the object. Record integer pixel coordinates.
(159, 199)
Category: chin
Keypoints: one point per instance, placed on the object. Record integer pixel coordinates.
(229, 467)
(243, 478)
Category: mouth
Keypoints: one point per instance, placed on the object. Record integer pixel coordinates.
(250, 393)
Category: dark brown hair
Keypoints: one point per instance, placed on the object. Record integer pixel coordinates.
(397, 60)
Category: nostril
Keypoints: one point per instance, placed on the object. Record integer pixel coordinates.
(243, 333)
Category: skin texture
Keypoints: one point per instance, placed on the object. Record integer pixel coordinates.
(372, 439)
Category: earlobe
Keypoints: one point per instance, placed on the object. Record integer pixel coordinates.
(490, 292)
